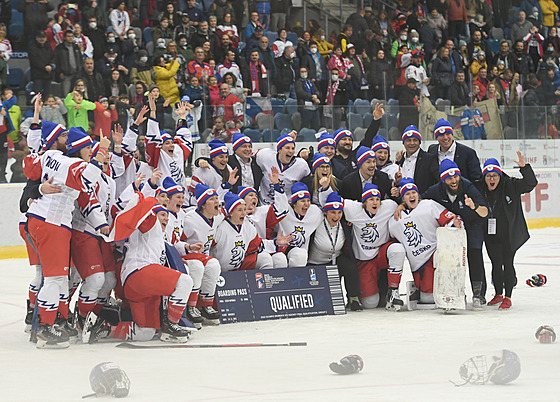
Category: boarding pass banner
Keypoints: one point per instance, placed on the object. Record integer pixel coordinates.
(279, 293)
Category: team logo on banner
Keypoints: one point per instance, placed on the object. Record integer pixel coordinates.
(413, 235)
(260, 280)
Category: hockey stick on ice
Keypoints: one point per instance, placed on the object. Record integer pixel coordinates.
(129, 345)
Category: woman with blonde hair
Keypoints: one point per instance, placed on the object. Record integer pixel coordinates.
(80, 86)
(325, 48)
(321, 168)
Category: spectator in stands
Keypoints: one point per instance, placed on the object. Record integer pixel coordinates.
(429, 39)
(380, 77)
(193, 89)
(286, 72)
(68, 59)
(198, 66)
(476, 44)
(219, 8)
(42, 64)
(220, 52)
(266, 57)
(523, 61)
(416, 71)
(257, 80)
(140, 90)
(165, 79)
(109, 62)
(184, 48)
(550, 58)
(506, 87)
(229, 106)
(505, 55)
(533, 44)
(324, 46)
(96, 35)
(252, 25)
(337, 94)
(316, 67)
(227, 27)
(34, 16)
(340, 63)
(184, 28)
(115, 85)
(78, 110)
(459, 91)
(174, 17)
(236, 86)
(280, 44)
(357, 73)
(358, 23)
(130, 47)
(228, 65)
(69, 13)
(95, 86)
(458, 61)
(521, 27)
(92, 10)
(82, 41)
(384, 26)
(482, 82)
(532, 117)
(302, 44)
(195, 13)
(308, 99)
(442, 73)
(343, 38)
(478, 63)
(141, 71)
(549, 9)
(120, 20)
(533, 11)
(408, 97)
(399, 43)
(548, 91)
(202, 35)
(457, 17)
(112, 42)
(54, 110)
(278, 11)
(253, 42)
(162, 31)
(552, 38)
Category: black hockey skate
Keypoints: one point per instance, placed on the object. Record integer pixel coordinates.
(394, 301)
(194, 316)
(95, 328)
(62, 324)
(173, 332)
(210, 315)
(51, 337)
(28, 318)
(354, 304)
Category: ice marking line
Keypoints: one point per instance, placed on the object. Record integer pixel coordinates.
(9, 323)
(12, 304)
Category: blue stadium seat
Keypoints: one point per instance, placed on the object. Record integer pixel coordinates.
(272, 36)
(291, 106)
(28, 74)
(15, 79)
(307, 135)
(362, 106)
(253, 134)
(277, 105)
(354, 121)
(368, 118)
(270, 135)
(206, 5)
(147, 35)
(283, 121)
(284, 131)
(292, 37)
(494, 45)
(350, 107)
(16, 24)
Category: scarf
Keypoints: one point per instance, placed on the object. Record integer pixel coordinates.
(254, 76)
(333, 87)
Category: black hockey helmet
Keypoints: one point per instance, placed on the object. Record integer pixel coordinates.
(107, 378)
(505, 369)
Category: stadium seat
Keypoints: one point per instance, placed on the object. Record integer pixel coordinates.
(494, 45)
(350, 107)
(306, 135)
(28, 74)
(291, 106)
(368, 118)
(272, 36)
(359, 134)
(362, 106)
(296, 121)
(147, 35)
(270, 135)
(56, 89)
(284, 131)
(264, 120)
(15, 79)
(253, 134)
(292, 37)
(283, 121)
(354, 121)
(441, 104)
(277, 105)
(497, 33)
(28, 90)
(150, 48)
(16, 24)
(206, 5)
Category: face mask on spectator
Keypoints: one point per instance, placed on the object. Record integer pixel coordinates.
(293, 55)
(303, 76)
(553, 34)
(161, 45)
(111, 40)
(93, 25)
(313, 50)
(334, 77)
(415, 39)
(183, 44)
(111, 59)
(551, 49)
(132, 36)
(322, 37)
(403, 37)
(143, 59)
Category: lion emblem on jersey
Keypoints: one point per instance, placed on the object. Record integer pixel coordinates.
(208, 244)
(413, 235)
(369, 233)
(299, 237)
(237, 254)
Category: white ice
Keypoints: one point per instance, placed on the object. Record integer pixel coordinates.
(408, 355)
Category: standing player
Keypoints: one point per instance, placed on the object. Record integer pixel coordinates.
(200, 226)
(50, 220)
(416, 231)
(383, 158)
(292, 169)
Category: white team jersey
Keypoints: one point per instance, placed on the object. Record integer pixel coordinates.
(144, 249)
(302, 227)
(212, 178)
(198, 229)
(370, 231)
(296, 170)
(416, 230)
(72, 174)
(34, 139)
(266, 217)
(90, 215)
(126, 162)
(391, 169)
(232, 243)
(174, 231)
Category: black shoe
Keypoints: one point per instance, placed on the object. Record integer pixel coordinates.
(482, 300)
(64, 326)
(209, 313)
(173, 332)
(354, 305)
(393, 298)
(95, 328)
(51, 337)
(28, 318)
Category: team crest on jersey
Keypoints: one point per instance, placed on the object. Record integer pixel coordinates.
(208, 243)
(413, 235)
(369, 233)
(175, 237)
(299, 237)
(237, 254)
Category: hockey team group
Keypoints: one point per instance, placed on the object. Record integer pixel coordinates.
(144, 245)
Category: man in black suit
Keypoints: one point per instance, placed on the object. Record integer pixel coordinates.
(465, 157)
(415, 162)
(249, 173)
(353, 184)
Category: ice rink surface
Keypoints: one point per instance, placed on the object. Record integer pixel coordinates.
(408, 355)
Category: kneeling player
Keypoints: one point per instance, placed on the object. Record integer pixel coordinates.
(416, 231)
(145, 280)
(237, 246)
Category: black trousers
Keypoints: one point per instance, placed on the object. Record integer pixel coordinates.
(476, 266)
(503, 272)
(347, 269)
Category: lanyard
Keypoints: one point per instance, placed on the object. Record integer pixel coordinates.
(490, 207)
(333, 243)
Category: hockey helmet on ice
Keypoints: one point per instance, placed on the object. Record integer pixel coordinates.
(505, 369)
(108, 378)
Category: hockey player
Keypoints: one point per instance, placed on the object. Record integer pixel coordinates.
(237, 245)
(50, 219)
(216, 174)
(302, 220)
(383, 158)
(372, 246)
(416, 231)
(461, 197)
(292, 169)
(328, 248)
(200, 226)
(167, 153)
(145, 280)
